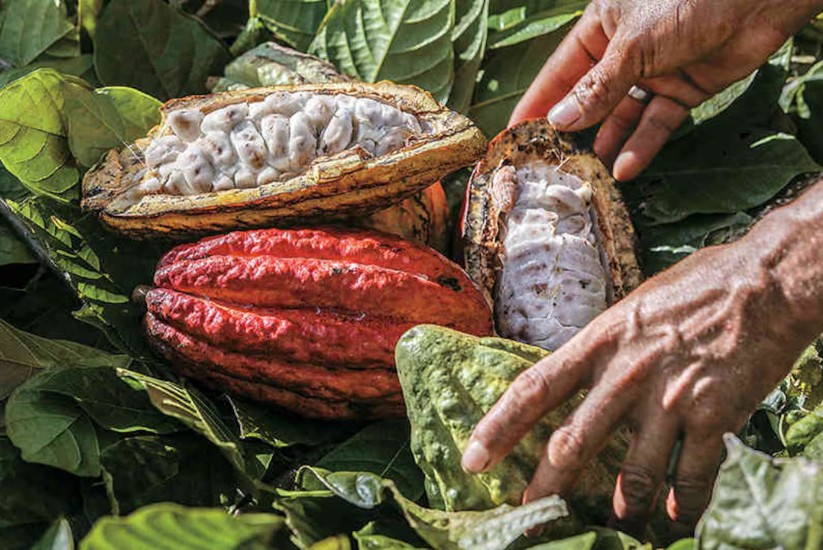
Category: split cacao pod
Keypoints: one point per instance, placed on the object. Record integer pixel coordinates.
(305, 319)
(276, 156)
(546, 235)
(450, 381)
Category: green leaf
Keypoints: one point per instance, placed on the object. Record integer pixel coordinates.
(182, 468)
(149, 45)
(381, 449)
(52, 429)
(371, 537)
(172, 526)
(292, 21)
(340, 542)
(312, 518)
(507, 73)
(29, 27)
(727, 171)
(87, 13)
(760, 502)
(195, 411)
(469, 38)
(805, 437)
(33, 145)
(12, 249)
(58, 537)
(514, 24)
(491, 529)
(260, 423)
(107, 118)
(803, 97)
(405, 41)
(34, 497)
(23, 355)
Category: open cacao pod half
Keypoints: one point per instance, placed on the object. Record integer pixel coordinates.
(274, 156)
(546, 235)
(305, 319)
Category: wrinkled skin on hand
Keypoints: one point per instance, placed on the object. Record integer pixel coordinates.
(683, 51)
(688, 355)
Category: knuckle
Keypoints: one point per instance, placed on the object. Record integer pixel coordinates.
(639, 486)
(594, 89)
(529, 386)
(566, 449)
(692, 496)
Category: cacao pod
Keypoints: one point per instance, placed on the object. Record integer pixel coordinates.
(546, 235)
(423, 218)
(274, 156)
(450, 380)
(305, 319)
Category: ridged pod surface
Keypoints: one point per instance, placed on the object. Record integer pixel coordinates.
(546, 235)
(305, 319)
(279, 155)
(450, 381)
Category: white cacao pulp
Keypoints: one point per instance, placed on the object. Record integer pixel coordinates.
(246, 145)
(554, 277)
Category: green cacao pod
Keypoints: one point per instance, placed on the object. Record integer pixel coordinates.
(450, 380)
(305, 319)
(546, 235)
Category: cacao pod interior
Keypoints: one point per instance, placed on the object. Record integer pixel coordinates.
(546, 235)
(273, 156)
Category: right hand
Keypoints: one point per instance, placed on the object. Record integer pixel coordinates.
(683, 51)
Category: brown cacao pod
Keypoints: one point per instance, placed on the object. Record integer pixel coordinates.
(422, 218)
(275, 156)
(305, 319)
(546, 235)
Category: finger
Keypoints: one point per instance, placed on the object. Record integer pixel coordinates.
(659, 120)
(694, 477)
(578, 440)
(616, 129)
(583, 46)
(644, 471)
(678, 88)
(533, 393)
(600, 90)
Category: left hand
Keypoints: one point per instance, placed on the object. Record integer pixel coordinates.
(689, 355)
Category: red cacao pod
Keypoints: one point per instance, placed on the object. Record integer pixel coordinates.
(305, 319)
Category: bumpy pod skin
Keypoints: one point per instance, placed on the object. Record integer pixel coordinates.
(450, 380)
(305, 319)
(483, 224)
(422, 218)
(355, 181)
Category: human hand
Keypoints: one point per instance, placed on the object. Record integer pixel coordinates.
(682, 51)
(688, 355)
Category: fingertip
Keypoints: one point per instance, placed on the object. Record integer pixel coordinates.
(476, 458)
(627, 166)
(565, 114)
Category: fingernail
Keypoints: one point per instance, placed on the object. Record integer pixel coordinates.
(622, 165)
(565, 113)
(475, 458)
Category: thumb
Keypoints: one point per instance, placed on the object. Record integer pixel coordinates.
(599, 91)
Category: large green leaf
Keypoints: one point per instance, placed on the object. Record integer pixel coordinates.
(721, 170)
(292, 21)
(507, 73)
(52, 429)
(181, 468)
(107, 118)
(173, 526)
(469, 37)
(12, 249)
(487, 530)
(382, 449)
(23, 355)
(151, 46)
(760, 502)
(33, 145)
(29, 27)
(33, 496)
(513, 24)
(406, 41)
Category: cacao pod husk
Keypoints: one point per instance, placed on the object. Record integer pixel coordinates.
(450, 381)
(304, 319)
(546, 235)
(422, 218)
(256, 174)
